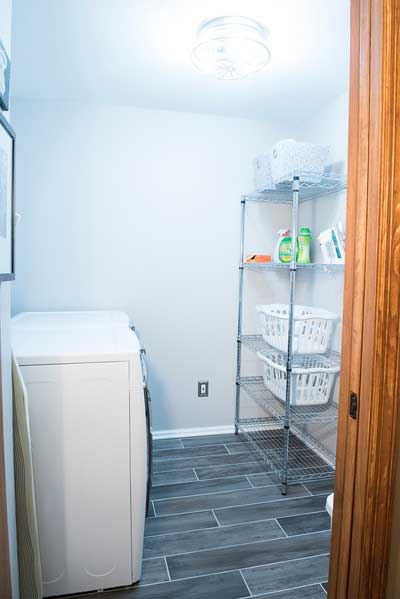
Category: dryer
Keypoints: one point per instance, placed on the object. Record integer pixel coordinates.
(89, 446)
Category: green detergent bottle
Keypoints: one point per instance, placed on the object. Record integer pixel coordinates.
(304, 246)
(285, 249)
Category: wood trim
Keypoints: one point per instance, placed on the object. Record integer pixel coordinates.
(371, 354)
(379, 418)
(5, 568)
(353, 304)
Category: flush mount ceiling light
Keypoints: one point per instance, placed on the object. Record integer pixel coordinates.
(231, 47)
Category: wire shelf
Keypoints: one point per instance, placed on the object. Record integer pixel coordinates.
(256, 344)
(279, 266)
(306, 462)
(299, 456)
(308, 191)
(275, 408)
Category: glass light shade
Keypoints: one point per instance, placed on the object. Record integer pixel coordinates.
(231, 47)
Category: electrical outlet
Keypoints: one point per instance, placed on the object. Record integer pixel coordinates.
(202, 389)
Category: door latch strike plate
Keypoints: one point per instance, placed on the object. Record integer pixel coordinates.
(353, 405)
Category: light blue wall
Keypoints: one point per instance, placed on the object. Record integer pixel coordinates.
(138, 210)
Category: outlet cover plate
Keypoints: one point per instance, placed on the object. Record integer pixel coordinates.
(202, 389)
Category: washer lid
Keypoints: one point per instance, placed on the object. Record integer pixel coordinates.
(74, 345)
(76, 319)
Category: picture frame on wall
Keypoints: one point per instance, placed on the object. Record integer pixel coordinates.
(7, 154)
(5, 67)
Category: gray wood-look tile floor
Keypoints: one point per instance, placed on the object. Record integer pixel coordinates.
(219, 527)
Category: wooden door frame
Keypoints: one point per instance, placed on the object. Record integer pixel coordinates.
(366, 447)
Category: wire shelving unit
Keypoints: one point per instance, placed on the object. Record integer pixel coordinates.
(281, 436)
(307, 460)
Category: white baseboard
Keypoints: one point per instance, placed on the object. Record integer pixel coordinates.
(178, 433)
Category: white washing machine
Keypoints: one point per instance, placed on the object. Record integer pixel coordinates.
(89, 441)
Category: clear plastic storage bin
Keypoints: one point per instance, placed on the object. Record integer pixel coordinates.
(290, 158)
(312, 379)
(312, 328)
(262, 173)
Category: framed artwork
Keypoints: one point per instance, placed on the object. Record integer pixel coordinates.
(4, 78)
(7, 152)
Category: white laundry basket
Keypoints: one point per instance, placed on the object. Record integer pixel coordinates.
(312, 330)
(262, 173)
(290, 158)
(312, 378)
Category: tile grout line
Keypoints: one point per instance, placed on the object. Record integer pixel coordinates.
(159, 457)
(302, 534)
(321, 511)
(164, 444)
(219, 477)
(282, 529)
(285, 498)
(165, 582)
(294, 559)
(213, 444)
(251, 460)
(219, 525)
(204, 450)
(207, 466)
(245, 582)
(201, 449)
(248, 568)
(305, 488)
(178, 532)
(229, 507)
(324, 493)
(269, 593)
(225, 445)
(172, 580)
(211, 467)
(90, 594)
(231, 476)
(224, 526)
(323, 588)
(166, 565)
(244, 464)
(217, 547)
(209, 492)
(154, 508)
(249, 481)
(271, 540)
(155, 486)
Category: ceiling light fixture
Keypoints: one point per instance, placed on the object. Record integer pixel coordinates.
(231, 47)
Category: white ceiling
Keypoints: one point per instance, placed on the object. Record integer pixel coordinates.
(137, 52)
